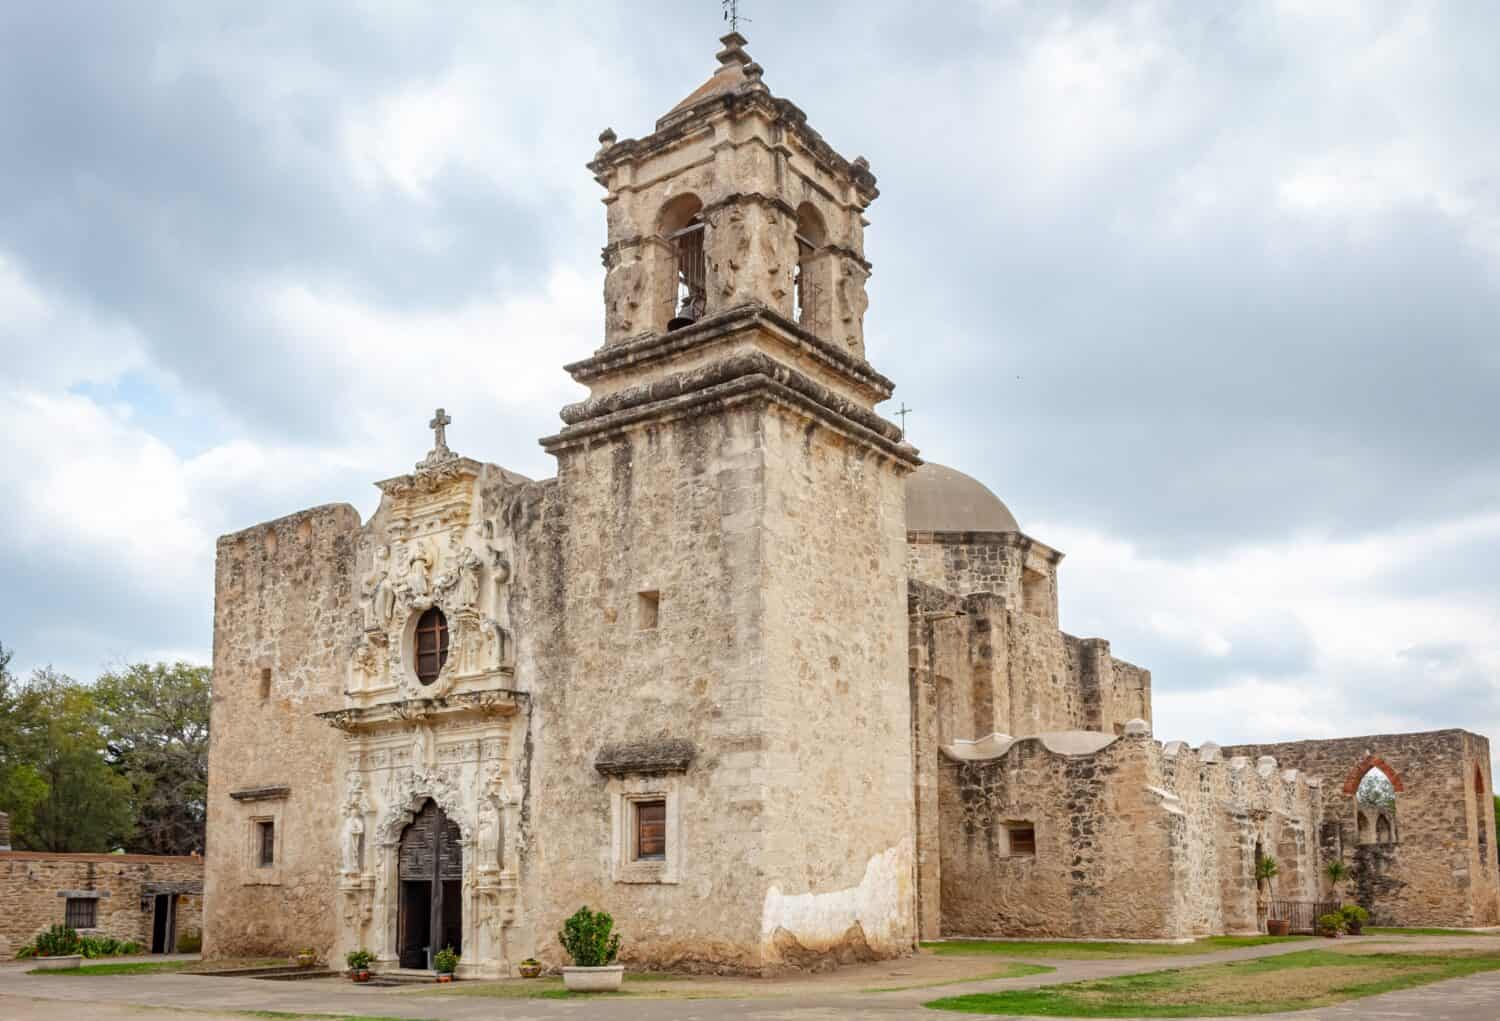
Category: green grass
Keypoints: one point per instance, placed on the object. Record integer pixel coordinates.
(1104, 950)
(1287, 982)
(1388, 930)
(1013, 970)
(119, 968)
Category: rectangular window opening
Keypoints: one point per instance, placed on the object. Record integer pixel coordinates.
(81, 913)
(1022, 839)
(265, 834)
(649, 610)
(265, 682)
(650, 831)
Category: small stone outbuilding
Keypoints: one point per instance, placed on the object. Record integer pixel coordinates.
(153, 900)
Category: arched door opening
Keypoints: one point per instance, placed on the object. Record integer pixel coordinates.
(431, 866)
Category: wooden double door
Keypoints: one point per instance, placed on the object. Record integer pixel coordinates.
(430, 869)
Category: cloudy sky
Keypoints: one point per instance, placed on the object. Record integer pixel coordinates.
(1208, 293)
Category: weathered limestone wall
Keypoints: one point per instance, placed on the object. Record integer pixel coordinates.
(1103, 842)
(34, 887)
(1133, 839)
(284, 609)
(839, 774)
(678, 511)
(792, 825)
(1440, 871)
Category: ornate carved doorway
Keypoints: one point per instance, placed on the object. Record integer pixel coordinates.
(431, 871)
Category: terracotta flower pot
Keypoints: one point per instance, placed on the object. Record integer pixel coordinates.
(529, 970)
(1278, 926)
(445, 976)
(363, 975)
(306, 960)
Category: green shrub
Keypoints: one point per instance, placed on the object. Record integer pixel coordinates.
(1354, 913)
(106, 946)
(58, 941)
(1330, 922)
(589, 938)
(190, 942)
(445, 960)
(358, 960)
(26, 951)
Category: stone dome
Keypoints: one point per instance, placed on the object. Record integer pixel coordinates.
(942, 499)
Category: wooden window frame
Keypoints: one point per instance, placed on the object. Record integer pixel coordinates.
(1026, 846)
(650, 834)
(88, 905)
(430, 641)
(265, 843)
(627, 795)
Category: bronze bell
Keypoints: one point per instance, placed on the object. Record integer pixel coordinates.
(690, 312)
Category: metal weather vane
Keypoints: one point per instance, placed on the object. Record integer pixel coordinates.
(732, 14)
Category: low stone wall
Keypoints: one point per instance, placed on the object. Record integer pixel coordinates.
(1082, 834)
(35, 887)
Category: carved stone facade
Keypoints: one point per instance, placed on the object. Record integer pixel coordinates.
(744, 673)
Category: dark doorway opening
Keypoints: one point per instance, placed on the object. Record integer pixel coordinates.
(164, 923)
(429, 913)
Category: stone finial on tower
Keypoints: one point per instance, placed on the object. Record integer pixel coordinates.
(734, 50)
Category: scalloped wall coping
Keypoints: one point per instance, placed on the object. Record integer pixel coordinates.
(1059, 742)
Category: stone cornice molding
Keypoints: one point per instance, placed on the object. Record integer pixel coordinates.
(269, 792)
(1017, 540)
(720, 397)
(650, 348)
(646, 758)
(492, 702)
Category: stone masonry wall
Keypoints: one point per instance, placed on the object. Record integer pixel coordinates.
(284, 606)
(33, 888)
(682, 511)
(1103, 843)
(1435, 873)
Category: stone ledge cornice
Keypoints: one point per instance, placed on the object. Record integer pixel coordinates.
(744, 363)
(269, 792)
(650, 348)
(1017, 540)
(724, 395)
(493, 702)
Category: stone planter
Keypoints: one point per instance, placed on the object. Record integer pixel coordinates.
(594, 980)
(1278, 926)
(58, 963)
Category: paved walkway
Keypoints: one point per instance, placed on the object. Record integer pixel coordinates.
(204, 998)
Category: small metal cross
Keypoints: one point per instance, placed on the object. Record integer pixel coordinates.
(439, 426)
(901, 413)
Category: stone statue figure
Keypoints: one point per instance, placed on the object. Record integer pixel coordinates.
(466, 568)
(489, 837)
(352, 839)
(415, 578)
(379, 596)
(496, 644)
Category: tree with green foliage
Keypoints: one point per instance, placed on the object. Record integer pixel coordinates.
(1376, 790)
(53, 735)
(155, 724)
(21, 786)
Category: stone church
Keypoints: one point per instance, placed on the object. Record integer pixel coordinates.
(745, 673)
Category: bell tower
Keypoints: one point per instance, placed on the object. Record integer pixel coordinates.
(732, 554)
(734, 200)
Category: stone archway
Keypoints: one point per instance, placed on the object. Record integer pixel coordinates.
(1369, 762)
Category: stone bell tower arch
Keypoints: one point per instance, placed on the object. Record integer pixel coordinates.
(732, 610)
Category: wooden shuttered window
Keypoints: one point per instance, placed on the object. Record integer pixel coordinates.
(81, 913)
(265, 851)
(650, 830)
(1022, 840)
(432, 645)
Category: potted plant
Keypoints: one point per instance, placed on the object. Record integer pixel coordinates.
(57, 948)
(1330, 925)
(590, 940)
(530, 968)
(306, 957)
(1355, 918)
(359, 962)
(443, 962)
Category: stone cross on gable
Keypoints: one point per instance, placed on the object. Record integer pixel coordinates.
(439, 426)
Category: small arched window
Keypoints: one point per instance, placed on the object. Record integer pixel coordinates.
(432, 645)
(682, 225)
(811, 236)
